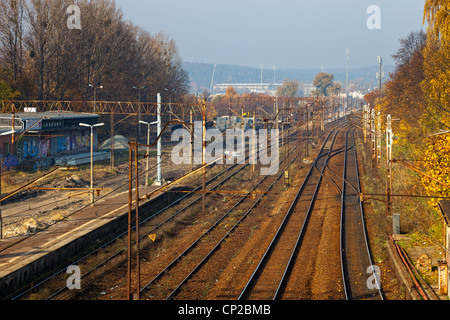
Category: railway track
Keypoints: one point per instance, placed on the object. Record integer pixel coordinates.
(212, 239)
(357, 265)
(290, 264)
(147, 226)
(269, 279)
(301, 251)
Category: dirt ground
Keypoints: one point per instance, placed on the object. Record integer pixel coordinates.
(32, 210)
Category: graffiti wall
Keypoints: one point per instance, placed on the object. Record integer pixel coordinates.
(40, 148)
(72, 142)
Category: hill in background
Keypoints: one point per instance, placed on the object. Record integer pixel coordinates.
(200, 75)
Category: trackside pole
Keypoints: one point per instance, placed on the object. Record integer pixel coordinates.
(158, 132)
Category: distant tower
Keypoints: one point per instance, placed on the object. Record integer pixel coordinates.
(346, 81)
(212, 79)
(380, 74)
(262, 76)
(346, 74)
(274, 74)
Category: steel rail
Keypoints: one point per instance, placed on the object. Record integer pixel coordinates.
(63, 269)
(263, 261)
(341, 226)
(294, 254)
(141, 223)
(343, 250)
(232, 229)
(172, 264)
(366, 238)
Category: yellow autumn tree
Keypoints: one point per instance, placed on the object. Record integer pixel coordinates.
(436, 13)
(436, 84)
(436, 87)
(437, 165)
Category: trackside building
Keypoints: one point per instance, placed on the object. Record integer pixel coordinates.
(36, 139)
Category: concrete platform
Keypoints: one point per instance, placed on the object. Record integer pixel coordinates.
(81, 158)
(23, 259)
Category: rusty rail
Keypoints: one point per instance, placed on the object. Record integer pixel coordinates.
(417, 286)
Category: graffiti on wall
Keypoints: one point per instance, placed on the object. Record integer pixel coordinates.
(72, 143)
(83, 142)
(10, 160)
(44, 147)
(60, 144)
(35, 148)
(30, 149)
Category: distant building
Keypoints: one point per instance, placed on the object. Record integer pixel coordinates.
(234, 122)
(41, 137)
(267, 88)
(308, 89)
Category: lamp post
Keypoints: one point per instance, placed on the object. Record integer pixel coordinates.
(95, 92)
(92, 155)
(148, 148)
(170, 103)
(139, 109)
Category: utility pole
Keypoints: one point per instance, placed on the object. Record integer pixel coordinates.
(380, 74)
(322, 121)
(133, 147)
(346, 81)
(274, 74)
(158, 132)
(204, 153)
(372, 134)
(95, 93)
(132, 144)
(254, 143)
(136, 210)
(92, 156)
(112, 141)
(378, 140)
(261, 76)
(365, 123)
(148, 148)
(389, 140)
(192, 141)
(139, 110)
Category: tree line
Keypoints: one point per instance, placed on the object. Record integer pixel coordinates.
(418, 95)
(107, 58)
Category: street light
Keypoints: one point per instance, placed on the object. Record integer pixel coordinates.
(148, 148)
(139, 109)
(92, 155)
(170, 102)
(95, 92)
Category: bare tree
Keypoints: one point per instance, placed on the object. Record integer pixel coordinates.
(42, 17)
(66, 63)
(11, 36)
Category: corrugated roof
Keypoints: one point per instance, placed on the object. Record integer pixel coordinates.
(39, 115)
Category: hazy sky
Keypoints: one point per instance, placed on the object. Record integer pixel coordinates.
(284, 33)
